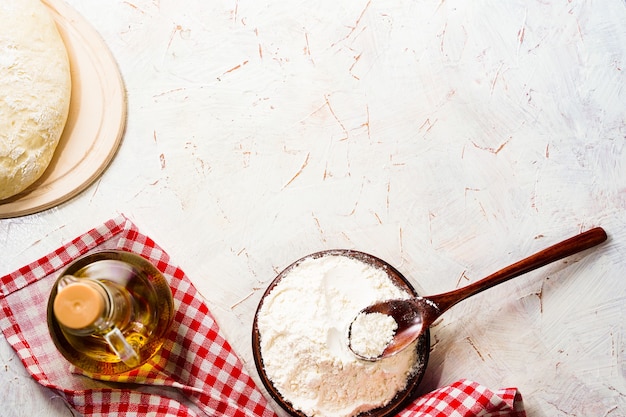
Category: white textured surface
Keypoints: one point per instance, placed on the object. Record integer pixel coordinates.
(448, 138)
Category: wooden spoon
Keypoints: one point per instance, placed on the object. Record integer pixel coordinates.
(414, 316)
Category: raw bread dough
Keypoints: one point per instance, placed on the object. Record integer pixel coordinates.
(34, 92)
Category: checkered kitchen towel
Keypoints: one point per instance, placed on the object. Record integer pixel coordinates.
(466, 398)
(196, 373)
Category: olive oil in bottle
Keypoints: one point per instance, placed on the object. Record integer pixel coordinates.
(109, 312)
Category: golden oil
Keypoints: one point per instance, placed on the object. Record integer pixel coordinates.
(130, 325)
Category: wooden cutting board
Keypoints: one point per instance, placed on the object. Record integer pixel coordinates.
(96, 121)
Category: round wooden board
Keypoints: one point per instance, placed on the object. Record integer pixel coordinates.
(95, 124)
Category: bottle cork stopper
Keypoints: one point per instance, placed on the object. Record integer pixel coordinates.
(78, 305)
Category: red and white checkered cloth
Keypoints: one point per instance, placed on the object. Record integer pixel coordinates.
(196, 373)
(466, 398)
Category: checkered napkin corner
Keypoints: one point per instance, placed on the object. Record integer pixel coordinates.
(465, 398)
(62, 256)
(196, 372)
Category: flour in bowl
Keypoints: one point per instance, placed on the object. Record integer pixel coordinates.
(303, 324)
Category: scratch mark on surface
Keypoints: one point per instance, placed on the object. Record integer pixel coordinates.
(495, 78)
(396, 164)
(200, 165)
(580, 32)
(458, 281)
(307, 47)
(442, 35)
(330, 108)
(521, 32)
(356, 60)
(154, 136)
(356, 203)
(610, 410)
(492, 150)
(236, 67)
(174, 90)
(177, 28)
(323, 105)
(533, 197)
(613, 348)
(428, 125)
(319, 227)
(256, 32)
(95, 191)
(470, 189)
(289, 151)
(236, 10)
(388, 192)
(547, 151)
(162, 159)
(47, 234)
(434, 344)
(246, 156)
(612, 388)
(467, 189)
(304, 164)
(356, 25)
(529, 94)
(135, 7)
(471, 342)
(539, 295)
(250, 294)
(401, 240)
(431, 216)
(202, 168)
(560, 410)
(482, 209)
(378, 218)
(367, 121)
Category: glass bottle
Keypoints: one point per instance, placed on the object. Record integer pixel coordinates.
(109, 312)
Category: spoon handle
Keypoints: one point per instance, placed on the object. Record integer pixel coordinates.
(551, 254)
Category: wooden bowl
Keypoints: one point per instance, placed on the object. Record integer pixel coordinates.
(403, 397)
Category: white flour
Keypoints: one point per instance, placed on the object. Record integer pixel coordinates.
(303, 326)
(371, 333)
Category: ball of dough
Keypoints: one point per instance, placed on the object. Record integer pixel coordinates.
(35, 92)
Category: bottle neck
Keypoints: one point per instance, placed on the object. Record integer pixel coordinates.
(85, 306)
